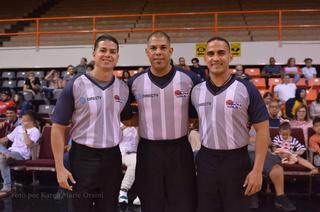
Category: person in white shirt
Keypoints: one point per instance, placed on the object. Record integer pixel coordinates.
(286, 90)
(308, 71)
(23, 137)
(128, 147)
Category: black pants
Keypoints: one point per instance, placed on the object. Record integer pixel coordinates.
(97, 173)
(165, 176)
(220, 178)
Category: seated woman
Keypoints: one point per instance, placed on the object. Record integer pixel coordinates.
(292, 69)
(301, 120)
(293, 103)
(32, 84)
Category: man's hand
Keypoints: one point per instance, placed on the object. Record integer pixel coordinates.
(63, 175)
(253, 183)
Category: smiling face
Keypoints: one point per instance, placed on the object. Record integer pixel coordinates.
(217, 57)
(106, 55)
(159, 53)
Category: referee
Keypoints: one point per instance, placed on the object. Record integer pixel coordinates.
(165, 169)
(226, 106)
(93, 102)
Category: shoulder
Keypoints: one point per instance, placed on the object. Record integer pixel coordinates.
(189, 74)
(137, 76)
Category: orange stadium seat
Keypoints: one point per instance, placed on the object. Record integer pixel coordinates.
(118, 73)
(301, 83)
(132, 72)
(252, 72)
(232, 70)
(315, 83)
(273, 82)
(260, 83)
(311, 95)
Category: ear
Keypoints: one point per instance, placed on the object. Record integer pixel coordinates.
(231, 57)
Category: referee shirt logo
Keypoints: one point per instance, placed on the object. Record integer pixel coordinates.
(180, 94)
(118, 99)
(233, 105)
(141, 96)
(84, 100)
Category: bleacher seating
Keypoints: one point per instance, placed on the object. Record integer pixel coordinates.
(97, 7)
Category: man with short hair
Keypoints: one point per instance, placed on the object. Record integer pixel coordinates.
(82, 67)
(165, 172)
(308, 71)
(274, 118)
(285, 90)
(226, 106)
(196, 68)
(94, 102)
(182, 64)
(11, 122)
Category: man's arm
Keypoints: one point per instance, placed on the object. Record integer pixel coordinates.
(57, 144)
(253, 181)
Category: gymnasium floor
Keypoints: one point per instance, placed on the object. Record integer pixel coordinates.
(42, 199)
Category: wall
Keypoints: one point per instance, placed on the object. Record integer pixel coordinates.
(252, 53)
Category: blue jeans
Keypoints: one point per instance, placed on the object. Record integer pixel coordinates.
(4, 168)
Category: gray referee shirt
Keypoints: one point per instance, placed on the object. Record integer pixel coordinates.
(226, 112)
(93, 109)
(163, 103)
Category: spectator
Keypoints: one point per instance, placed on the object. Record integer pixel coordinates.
(293, 103)
(90, 66)
(315, 107)
(140, 69)
(308, 71)
(271, 70)
(5, 102)
(240, 73)
(301, 120)
(196, 68)
(32, 84)
(267, 97)
(314, 143)
(285, 90)
(21, 104)
(53, 77)
(194, 138)
(82, 67)
(55, 83)
(11, 122)
(182, 64)
(274, 171)
(23, 137)
(292, 69)
(70, 74)
(128, 148)
(274, 118)
(290, 149)
(125, 76)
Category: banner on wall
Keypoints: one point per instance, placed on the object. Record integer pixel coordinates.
(235, 49)
(200, 49)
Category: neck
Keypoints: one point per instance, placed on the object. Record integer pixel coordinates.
(219, 79)
(102, 75)
(161, 72)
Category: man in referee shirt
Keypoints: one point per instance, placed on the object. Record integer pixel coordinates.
(226, 106)
(93, 102)
(165, 172)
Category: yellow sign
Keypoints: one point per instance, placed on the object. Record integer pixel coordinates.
(235, 49)
(200, 49)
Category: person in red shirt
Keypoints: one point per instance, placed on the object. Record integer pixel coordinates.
(5, 102)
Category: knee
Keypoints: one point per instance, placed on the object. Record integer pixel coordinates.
(276, 171)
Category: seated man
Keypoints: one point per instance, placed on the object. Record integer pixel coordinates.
(11, 122)
(274, 171)
(23, 137)
(128, 148)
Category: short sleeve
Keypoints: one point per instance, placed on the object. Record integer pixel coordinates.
(34, 135)
(64, 108)
(11, 136)
(257, 109)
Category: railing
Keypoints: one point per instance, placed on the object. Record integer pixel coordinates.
(215, 27)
